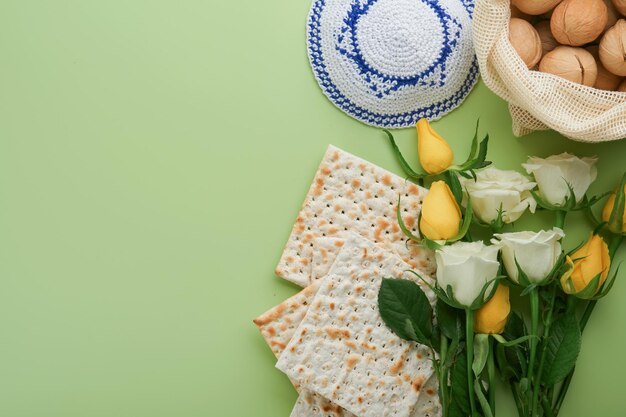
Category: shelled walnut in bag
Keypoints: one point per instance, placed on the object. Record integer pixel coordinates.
(583, 41)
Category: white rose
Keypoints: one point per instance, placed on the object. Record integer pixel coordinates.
(554, 173)
(467, 267)
(536, 253)
(495, 189)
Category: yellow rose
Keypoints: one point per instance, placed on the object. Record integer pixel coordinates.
(585, 264)
(441, 216)
(608, 208)
(491, 317)
(434, 152)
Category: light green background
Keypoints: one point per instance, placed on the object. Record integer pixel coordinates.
(153, 156)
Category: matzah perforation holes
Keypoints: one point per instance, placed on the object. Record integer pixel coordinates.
(351, 273)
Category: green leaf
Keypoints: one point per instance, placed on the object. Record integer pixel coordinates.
(524, 386)
(570, 201)
(528, 289)
(405, 310)
(475, 161)
(608, 284)
(433, 245)
(451, 320)
(465, 174)
(474, 146)
(522, 279)
(403, 163)
(586, 293)
(483, 297)
(512, 360)
(482, 153)
(594, 220)
(481, 353)
(515, 327)
(455, 186)
(441, 294)
(587, 203)
(514, 342)
(545, 205)
(615, 220)
(465, 222)
(484, 403)
(563, 346)
(459, 390)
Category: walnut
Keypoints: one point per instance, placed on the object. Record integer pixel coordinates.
(606, 80)
(535, 7)
(577, 22)
(548, 43)
(613, 48)
(574, 64)
(525, 41)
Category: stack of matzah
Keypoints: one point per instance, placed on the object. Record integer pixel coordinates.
(329, 338)
(350, 194)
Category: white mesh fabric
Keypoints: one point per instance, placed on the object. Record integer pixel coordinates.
(539, 101)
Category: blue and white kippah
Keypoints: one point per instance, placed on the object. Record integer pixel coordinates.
(389, 63)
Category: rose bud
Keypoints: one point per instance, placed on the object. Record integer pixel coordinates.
(536, 253)
(434, 152)
(495, 190)
(441, 215)
(467, 267)
(491, 317)
(591, 260)
(555, 174)
(608, 209)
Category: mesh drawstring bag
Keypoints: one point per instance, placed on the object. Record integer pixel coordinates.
(539, 101)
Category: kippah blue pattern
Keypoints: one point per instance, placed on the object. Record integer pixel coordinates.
(389, 63)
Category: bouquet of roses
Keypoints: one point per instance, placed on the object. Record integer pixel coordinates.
(471, 329)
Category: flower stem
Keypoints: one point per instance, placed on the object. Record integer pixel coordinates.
(614, 245)
(491, 372)
(546, 332)
(518, 403)
(443, 377)
(547, 408)
(560, 218)
(469, 341)
(534, 330)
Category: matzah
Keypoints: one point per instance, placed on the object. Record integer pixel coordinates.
(349, 194)
(343, 351)
(325, 250)
(278, 325)
(310, 404)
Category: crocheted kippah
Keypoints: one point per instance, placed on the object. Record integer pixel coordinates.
(389, 63)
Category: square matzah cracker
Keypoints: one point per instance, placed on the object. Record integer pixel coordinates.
(350, 194)
(310, 404)
(325, 250)
(343, 350)
(278, 326)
